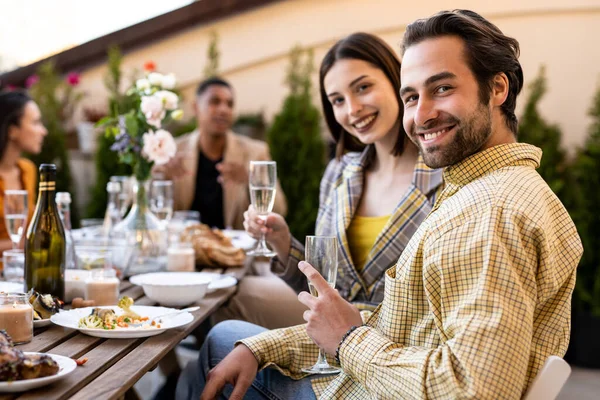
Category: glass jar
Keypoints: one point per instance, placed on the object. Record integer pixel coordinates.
(181, 258)
(102, 286)
(16, 317)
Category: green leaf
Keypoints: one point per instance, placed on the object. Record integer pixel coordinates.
(105, 121)
(131, 124)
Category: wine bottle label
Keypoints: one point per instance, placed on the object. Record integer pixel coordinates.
(47, 186)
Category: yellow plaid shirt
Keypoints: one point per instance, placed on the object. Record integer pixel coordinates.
(478, 300)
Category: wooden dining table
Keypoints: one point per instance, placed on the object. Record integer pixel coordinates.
(113, 365)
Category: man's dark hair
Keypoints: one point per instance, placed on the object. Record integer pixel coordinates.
(488, 52)
(369, 48)
(205, 84)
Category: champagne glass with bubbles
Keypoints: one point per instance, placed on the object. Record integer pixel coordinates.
(15, 214)
(321, 252)
(262, 179)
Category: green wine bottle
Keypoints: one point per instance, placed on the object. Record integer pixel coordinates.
(45, 245)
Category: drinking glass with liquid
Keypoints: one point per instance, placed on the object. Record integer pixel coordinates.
(321, 253)
(161, 200)
(262, 181)
(16, 209)
(14, 266)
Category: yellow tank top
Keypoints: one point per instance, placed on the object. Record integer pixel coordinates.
(361, 234)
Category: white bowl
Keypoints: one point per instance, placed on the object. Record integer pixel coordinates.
(173, 289)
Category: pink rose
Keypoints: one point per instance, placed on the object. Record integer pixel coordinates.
(152, 108)
(73, 79)
(159, 146)
(31, 80)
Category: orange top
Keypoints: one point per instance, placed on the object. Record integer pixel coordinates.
(29, 182)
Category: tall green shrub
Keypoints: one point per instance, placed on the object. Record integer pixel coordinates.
(533, 129)
(296, 144)
(586, 174)
(106, 160)
(57, 100)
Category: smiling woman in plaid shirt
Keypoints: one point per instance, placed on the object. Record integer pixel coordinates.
(481, 295)
(373, 196)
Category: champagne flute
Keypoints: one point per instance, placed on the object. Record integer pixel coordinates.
(15, 214)
(262, 179)
(161, 200)
(321, 252)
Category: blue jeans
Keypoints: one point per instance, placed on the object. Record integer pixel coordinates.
(268, 384)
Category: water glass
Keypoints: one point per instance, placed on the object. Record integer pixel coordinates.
(14, 265)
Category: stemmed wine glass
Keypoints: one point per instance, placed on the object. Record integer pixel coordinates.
(126, 194)
(16, 209)
(321, 253)
(262, 180)
(161, 200)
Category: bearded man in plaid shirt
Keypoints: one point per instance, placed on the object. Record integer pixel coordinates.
(481, 295)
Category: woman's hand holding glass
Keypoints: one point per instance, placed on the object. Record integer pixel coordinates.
(274, 227)
(262, 185)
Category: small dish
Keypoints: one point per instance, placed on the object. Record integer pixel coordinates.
(40, 323)
(220, 281)
(240, 239)
(65, 364)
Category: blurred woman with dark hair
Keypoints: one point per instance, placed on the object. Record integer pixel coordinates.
(21, 131)
(373, 196)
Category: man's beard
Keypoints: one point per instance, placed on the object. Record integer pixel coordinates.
(470, 136)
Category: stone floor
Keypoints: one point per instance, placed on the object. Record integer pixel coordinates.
(583, 384)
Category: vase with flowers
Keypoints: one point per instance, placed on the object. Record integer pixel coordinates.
(141, 141)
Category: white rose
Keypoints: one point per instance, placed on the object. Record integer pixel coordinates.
(159, 146)
(169, 99)
(169, 81)
(142, 84)
(155, 79)
(152, 108)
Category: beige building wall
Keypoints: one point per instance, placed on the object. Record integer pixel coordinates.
(559, 34)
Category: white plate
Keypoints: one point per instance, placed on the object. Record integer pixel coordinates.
(240, 239)
(222, 282)
(219, 281)
(12, 287)
(65, 365)
(70, 319)
(41, 323)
